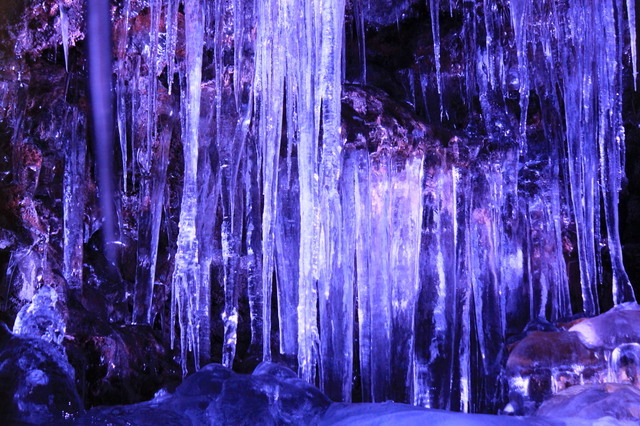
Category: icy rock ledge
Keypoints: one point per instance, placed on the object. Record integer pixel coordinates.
(273, 395)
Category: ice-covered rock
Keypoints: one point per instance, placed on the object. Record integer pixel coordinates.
(41, 318)
(625, 364)
(217, 395)
(615, 327)
(619, 401)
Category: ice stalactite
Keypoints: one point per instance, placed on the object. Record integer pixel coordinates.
(633, 39)
(360, 34)
(303, 109)
(610, 136)
(64, 33)
(121, 39)
(434, 8)
(335, 262)
(287, 242)
(152, 187)
(74, 199)
(152, 160)
(230, 134)
(269, 101)
(189, 297)
(171, 39)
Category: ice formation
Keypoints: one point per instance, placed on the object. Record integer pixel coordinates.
(416, 256)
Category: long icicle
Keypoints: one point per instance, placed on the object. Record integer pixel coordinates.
(187, 294)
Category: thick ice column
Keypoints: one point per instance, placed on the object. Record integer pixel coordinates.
(406, 224)
(436, 308)
(364, 241)
(303, 112)
(387, 231)
(378, 284)
(287, 249)
(334, 284)
(189, 299)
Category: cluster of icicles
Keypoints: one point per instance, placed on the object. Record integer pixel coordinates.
(413, 264)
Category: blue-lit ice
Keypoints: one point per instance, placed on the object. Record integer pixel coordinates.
(41, 318)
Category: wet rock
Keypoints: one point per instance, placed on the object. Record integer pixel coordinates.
(540, 349)
(120, 364)
(372, 120)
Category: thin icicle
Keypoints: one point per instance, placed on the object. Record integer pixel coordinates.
(64, 32)
(631, 17)
(359, 15)
(434, 8)
(171, 19)
(121, 92)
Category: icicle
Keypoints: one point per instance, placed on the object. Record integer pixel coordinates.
(358, 16)
(64, 32)
(74, 201)
(152, 190)
(254, 247)
(633, 39)
(611, 141)
(520, 16)
(434, 8)
(269, 100)
(189, 299)
(171, 19)
(152, 174)
(334, 287)
(308, 124)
